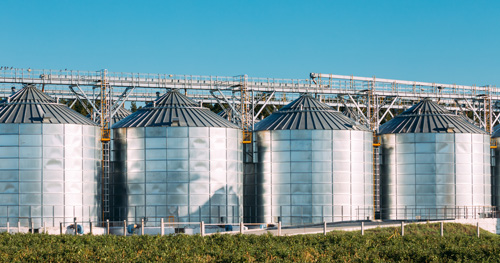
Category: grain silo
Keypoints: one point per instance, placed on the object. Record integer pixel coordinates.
(176, 160)
(49, 161)
(434, 165)
(314, 164)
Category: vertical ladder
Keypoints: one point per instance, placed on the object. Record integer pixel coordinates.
(373, 115)
(105, 141)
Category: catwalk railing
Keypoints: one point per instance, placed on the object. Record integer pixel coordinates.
(320, 83)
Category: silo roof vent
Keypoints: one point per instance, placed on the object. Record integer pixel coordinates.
(450, 128)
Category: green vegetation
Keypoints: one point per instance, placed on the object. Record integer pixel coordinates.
(421, 243)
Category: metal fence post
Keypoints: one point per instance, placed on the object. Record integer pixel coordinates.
(107, 226)
(124, 227)
(142, 226)
(162, 231)
(202, 228)
(362, 228)
(324, 228)
(477, 224)
(74, 224)
(402, 228)
(91, 230)
(241, 227)
(60, 228)
(342, 212)
(442, 229)
(8, 228)
(32, 227)
(279, 228)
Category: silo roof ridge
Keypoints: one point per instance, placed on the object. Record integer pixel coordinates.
(30, 105)
(429, 117)
(308, 113)
(174, 109)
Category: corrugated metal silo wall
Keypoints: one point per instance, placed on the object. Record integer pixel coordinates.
(49, 173)
(187, 174)
(434, 175)
(310, 176)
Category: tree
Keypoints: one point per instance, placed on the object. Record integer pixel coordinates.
(133, 106)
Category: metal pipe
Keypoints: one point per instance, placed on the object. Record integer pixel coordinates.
(142, 227)
(124, 227)
(60, 228)
(477, 227)
(107, 226)
(362, 228)
(74, 224)
(8, 228)
(90, 226)
(324, 228)
(202, 228)
(279, 228)
(442, 228)
(241, 227)
(402, 228)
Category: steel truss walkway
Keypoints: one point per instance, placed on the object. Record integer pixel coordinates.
(370, 100)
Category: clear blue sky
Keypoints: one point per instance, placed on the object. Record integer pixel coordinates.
(436, 41)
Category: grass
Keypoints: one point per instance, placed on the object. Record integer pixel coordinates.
(421, 243)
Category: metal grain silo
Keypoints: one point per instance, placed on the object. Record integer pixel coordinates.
(434, 165)
(49, 161)
(176, 160)
(314, 164)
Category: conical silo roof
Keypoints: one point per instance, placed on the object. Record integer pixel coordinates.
(429, 117)
(121, 114)
(307, 113)
(174, 109)
(30, 105)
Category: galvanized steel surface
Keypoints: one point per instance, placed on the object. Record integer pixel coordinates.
(310, 176)
(188, 174)
(49, 173)
(422, 172)
(174, 109)
(30, 105)
(307, 113)
(428, 117)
